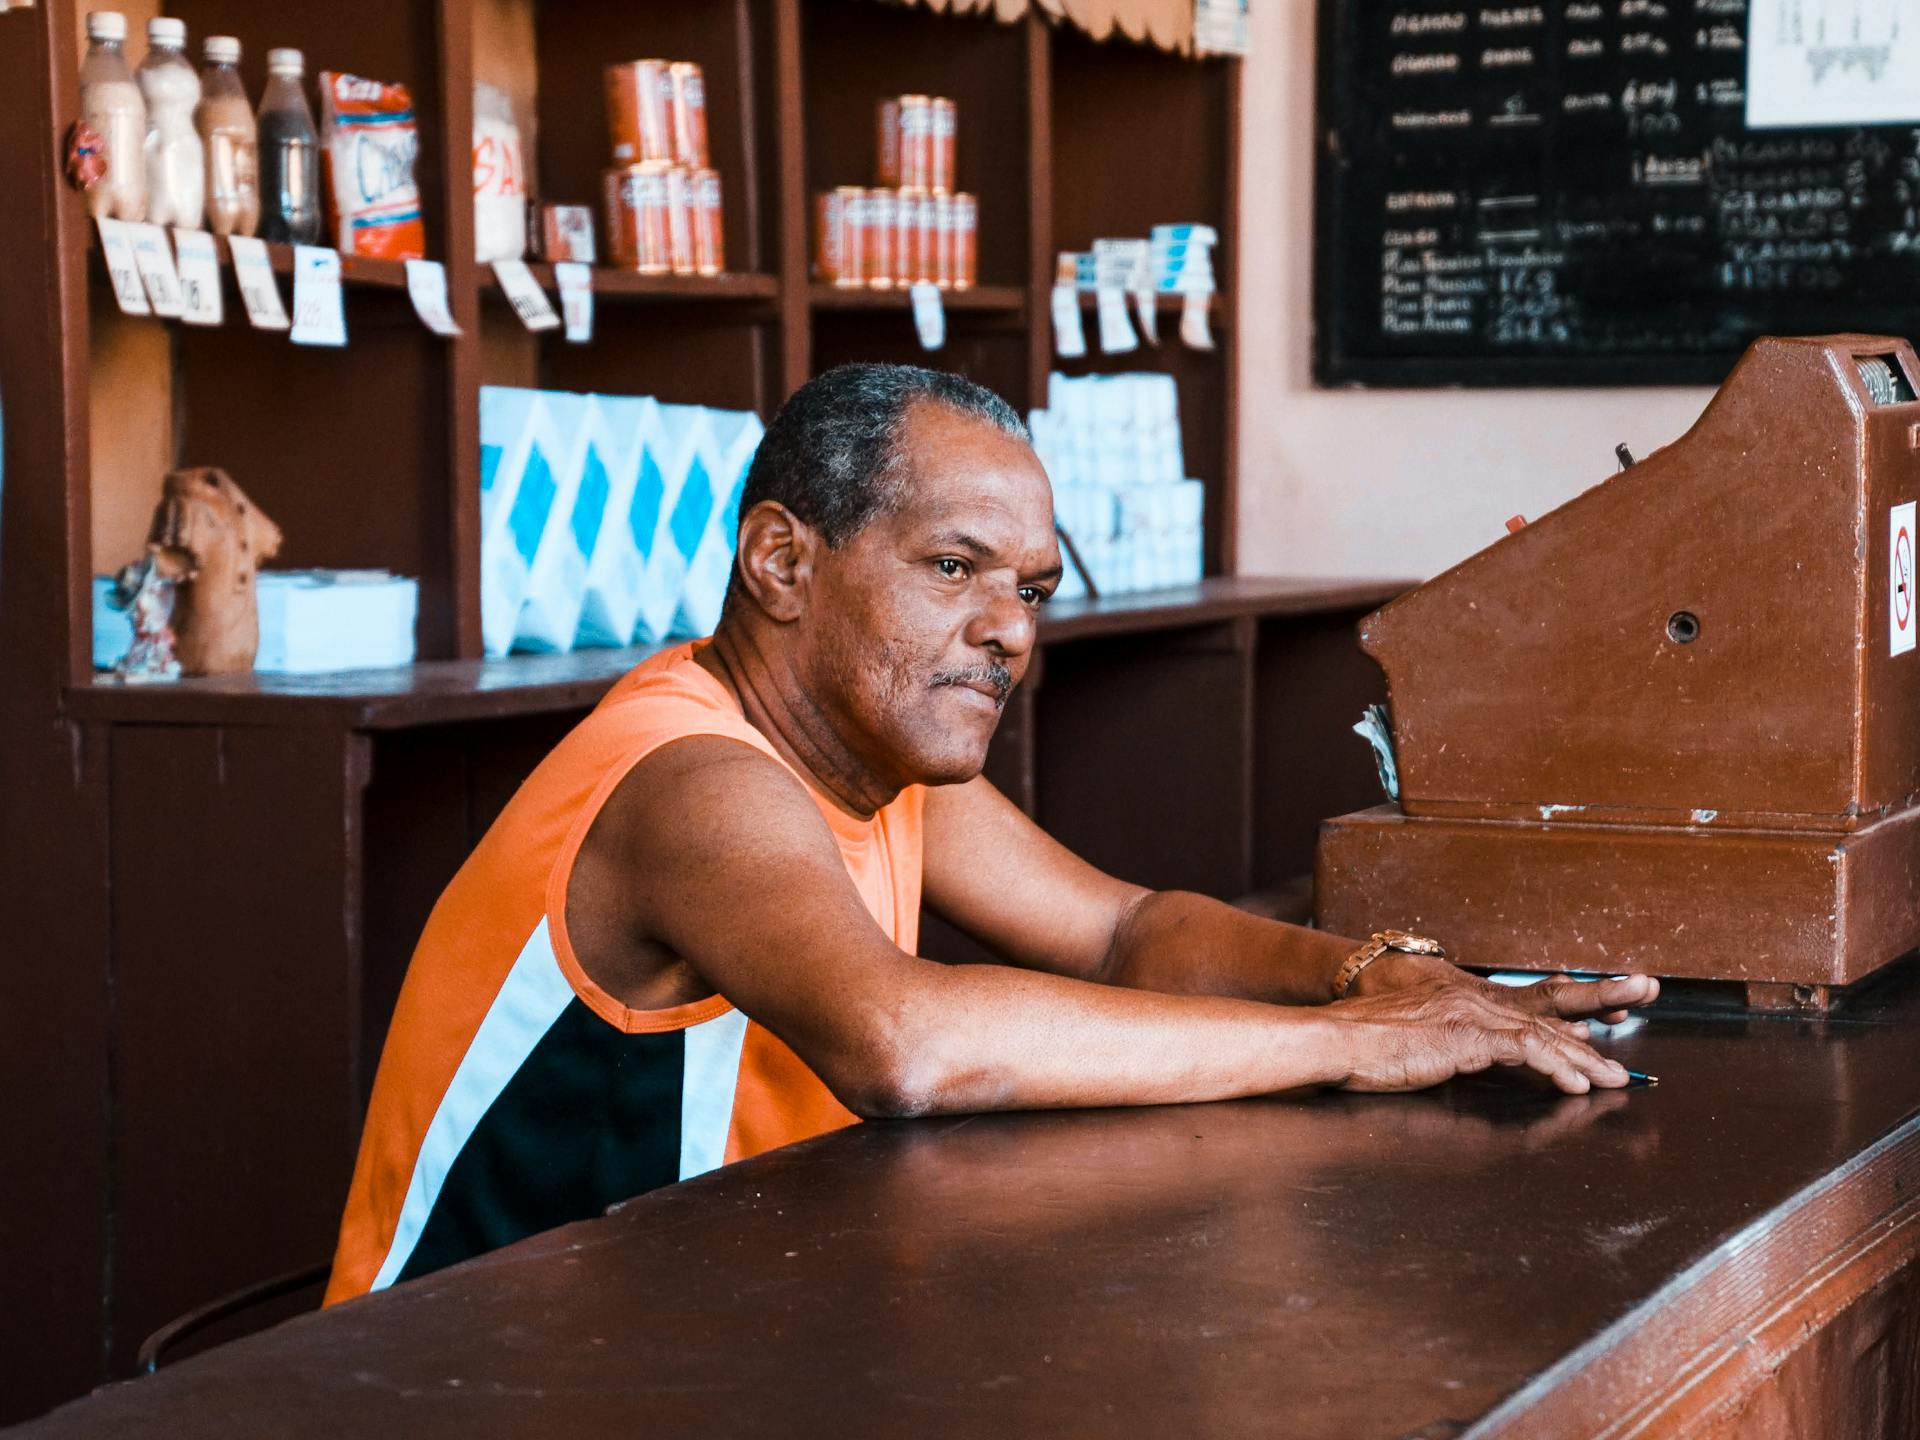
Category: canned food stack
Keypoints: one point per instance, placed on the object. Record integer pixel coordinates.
(662, 197)
(911, 226)
(1111, 445)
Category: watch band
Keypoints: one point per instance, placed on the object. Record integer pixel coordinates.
(1377, 944)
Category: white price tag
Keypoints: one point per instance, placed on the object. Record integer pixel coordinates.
(524, 294)
(1146, 306)
(319, 307)
(1069, 334)
(576, 298)
(1193, 319)
(427, 288)
(155, 258)
(259, 291)
(1116, 331)
(199, 277)
(929, 315)
(116, 248)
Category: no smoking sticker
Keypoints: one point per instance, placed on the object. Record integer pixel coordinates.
(1901, 625)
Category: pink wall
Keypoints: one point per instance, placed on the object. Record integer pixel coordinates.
(1377, 482)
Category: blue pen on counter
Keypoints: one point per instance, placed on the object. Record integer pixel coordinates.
(1640, 1077)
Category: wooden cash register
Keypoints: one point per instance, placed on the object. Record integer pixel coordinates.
(1675, 724)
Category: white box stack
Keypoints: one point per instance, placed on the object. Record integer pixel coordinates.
(1111, 444)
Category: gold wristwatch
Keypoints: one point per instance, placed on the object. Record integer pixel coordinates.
(1377, 945)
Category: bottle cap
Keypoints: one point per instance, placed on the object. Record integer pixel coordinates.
(106, 25)
(286, 62)
(167, 30)
(221, 50)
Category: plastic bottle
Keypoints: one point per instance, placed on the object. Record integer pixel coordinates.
(232, 141)
(110, 103)
(176, 169)
(289, 155)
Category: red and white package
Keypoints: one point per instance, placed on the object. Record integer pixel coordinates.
(369, 141)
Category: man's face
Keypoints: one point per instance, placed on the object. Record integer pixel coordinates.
(924, 621)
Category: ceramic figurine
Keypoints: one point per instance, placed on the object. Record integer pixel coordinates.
(220, 538)
(146, 590)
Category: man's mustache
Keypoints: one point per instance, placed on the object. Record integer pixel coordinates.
(999, 677)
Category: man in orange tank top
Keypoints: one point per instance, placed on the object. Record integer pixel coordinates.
(691, 935)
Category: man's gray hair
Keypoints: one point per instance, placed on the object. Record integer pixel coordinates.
(834, 453)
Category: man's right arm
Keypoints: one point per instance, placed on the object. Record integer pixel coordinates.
(736, 872)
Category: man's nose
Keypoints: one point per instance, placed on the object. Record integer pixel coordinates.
(1004, 623)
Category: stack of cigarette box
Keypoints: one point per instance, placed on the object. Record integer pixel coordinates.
(662, 196)
(605, 519)
(1175, 259)
(1111, 445)
(911, 226)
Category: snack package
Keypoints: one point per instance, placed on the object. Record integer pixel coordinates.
(369, 140)
(499, 179)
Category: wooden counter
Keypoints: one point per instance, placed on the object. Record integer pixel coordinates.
(1726, 1254)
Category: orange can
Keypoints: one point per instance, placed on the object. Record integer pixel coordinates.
(679, 181)
(916, 141)
(916, 224)
(640, 111)
(709, 233)
(886, 142)
(906, 215)
(943, 241)
(881, 257)
(966, 225)
(637, 237)
(840, 235)
(943, 145)
(688, 111)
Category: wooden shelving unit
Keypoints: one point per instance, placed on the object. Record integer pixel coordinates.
(220, 881)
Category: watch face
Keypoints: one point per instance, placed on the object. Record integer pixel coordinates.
(1415, 944)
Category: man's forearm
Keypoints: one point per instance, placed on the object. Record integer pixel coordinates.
(1185, 944)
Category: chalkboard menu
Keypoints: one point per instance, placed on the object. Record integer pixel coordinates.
(1570, 191)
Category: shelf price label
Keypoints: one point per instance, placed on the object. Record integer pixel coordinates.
(1116, 331)
(427, 288)
(929, 315)
(155, 258)
(1193, 319)
(1146, 307)
(116, 247)
(259, 291)
(319, 307)
(199, 277)
(576, 298)
(524, 294)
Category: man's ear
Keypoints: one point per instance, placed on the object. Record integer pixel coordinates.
(775, 560)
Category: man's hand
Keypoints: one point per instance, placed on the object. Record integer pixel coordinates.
(1560, 997)
(1419, 1034)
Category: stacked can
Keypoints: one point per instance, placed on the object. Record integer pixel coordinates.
(913, 226)
(662, 196)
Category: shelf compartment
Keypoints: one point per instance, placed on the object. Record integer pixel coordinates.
(436, 692)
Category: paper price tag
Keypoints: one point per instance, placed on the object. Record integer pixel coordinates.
(524, 294)
(576, 298)
(1193, 320)
(199, 266)
(1146, 306)
(155, 258)
(319, 307)
(116, 248)
(1116, 331)
(929, 315)
(427, 288)
(1069, 334)
(259, 291)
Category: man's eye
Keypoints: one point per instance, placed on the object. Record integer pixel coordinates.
(1033, 595)
(952, 568)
